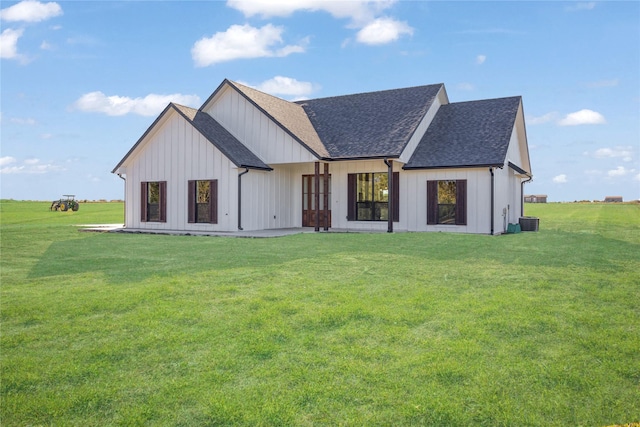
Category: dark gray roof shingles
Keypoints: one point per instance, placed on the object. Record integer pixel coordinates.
(233, 149)
(374, 124)
(463, 134)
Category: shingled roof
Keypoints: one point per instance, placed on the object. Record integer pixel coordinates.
(213, 131)
(463, 134)
(233, 149)
(369, 125)
(289, 115)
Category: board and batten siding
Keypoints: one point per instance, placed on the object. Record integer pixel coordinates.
(256, 130)
(413, 197)
(269, 199)
(176, 153)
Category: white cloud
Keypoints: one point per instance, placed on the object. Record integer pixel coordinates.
(383, 30)
(637, 177)
(545, 118)
(560, 179)
(626, 153)
(242, 41)
(6, 160)
(150, 105)
(465, 86)
(480, 59)
(620, 171)
(26, 122)
(582, 117)
(581, 6)
(285, 86)
(46, 45)
(359, 11)
(9, 165)
(9, 43)
(30, 11)
(363, 14)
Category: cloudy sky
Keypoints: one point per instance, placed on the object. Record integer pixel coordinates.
(82, 80)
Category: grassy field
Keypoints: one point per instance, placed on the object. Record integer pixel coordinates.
(531, 329)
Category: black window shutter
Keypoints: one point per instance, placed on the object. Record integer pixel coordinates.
(143, 201)
(432, 202)
(162, 186)
(351, 196)
(191, 202)
(395, 194)
(213, 201)
(461, 202)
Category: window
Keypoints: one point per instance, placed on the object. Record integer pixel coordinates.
(153, 201)
(203, 201)
(368, 196)
(447, 202)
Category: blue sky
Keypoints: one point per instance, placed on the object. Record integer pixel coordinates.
(82, 80)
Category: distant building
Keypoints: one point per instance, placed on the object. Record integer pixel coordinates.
(613, 199)
(535, 198)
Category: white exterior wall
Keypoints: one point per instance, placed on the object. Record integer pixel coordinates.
(256, 131)
(503, 205)
(413, 197)
(176, 152)
(518, 155)
(272, 199)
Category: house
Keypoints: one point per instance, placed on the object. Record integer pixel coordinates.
(613, 199)
(403, 159)
(535, 198)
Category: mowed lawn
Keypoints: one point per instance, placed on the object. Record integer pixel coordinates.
(529, 329)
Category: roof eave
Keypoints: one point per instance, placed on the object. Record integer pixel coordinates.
(353, 158)
(222, 150)
(477, 166)
(144, 135)
(266, 113)
(260, 168)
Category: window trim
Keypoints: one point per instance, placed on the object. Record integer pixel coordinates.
(162, 202)
(461, 202)
(192, 201)
(352, 202)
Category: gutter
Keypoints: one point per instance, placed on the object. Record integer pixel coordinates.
(492, 197)
(125, 199)
(390, 196)
(522, 183)
(246, 171)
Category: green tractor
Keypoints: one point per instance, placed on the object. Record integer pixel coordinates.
(68, 204)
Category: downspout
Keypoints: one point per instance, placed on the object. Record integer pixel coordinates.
(390, 196)
(522, 183)
(246, 171)
(492, 198)
(125, 200)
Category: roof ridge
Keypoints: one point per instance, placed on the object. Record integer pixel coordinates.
(368, 92)
(486, 99)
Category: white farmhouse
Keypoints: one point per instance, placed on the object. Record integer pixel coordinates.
(403, 159)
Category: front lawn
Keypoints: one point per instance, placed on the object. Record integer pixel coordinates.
(537, 329)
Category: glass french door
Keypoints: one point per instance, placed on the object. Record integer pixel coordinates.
(309, 202)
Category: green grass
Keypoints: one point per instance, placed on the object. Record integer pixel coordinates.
(537, 329)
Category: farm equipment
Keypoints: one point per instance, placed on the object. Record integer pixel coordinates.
(65, 204)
